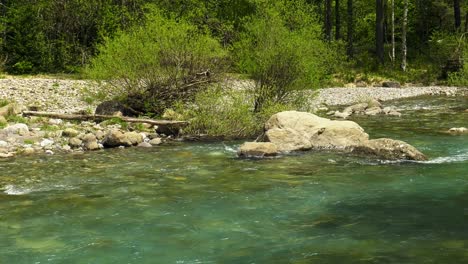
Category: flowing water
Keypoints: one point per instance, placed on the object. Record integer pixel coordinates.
(198, 203)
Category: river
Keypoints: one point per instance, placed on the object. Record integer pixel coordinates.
(199, 203)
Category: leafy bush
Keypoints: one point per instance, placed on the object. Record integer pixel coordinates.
(153, 66)
(447, 52)
(282, 54)
(460, 78)
(227, 113)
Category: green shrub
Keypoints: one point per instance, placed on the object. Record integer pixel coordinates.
(227, 114)
(4, 102)
(116, 121)
(282, 54)
(153, 66)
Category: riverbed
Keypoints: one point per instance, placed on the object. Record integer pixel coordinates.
(199, 203)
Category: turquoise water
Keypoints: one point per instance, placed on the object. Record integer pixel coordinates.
(198, 203)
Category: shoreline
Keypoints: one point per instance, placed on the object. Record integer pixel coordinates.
(32, 135)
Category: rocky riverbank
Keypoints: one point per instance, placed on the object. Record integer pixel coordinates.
(27, 135)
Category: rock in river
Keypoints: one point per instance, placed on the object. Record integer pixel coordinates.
(258, 149)
(293, 131)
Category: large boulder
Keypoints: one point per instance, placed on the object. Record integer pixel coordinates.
(115, 138)
(114, 108)
(389, 149)
(309, 131)
(258, 149)
(21, 129)
(295, 131)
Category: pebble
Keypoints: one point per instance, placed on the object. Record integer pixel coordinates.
(49, 152)
(155, 141)
(3, 144)
(145, 145)
(46, 142)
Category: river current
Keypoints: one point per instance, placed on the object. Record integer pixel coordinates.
(199, 203)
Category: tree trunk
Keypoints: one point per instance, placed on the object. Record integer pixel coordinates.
(350, 24)
(328, 22)
(393, 31)
(106, 117)
(456, 11)
(379, 30)
(337, 20)
(404, 49)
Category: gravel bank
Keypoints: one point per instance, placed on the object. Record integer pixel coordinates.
(348, 96)
(67, 96)
(54, 95)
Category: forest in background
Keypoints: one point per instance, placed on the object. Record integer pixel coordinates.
(45, 36)
(166, 58)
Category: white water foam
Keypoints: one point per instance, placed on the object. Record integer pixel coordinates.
(15, 190)
(450, 159)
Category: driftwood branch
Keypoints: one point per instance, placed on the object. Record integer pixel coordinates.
(106, 117)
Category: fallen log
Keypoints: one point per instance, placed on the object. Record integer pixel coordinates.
(169, 123)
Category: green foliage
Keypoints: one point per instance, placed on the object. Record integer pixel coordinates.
(4, 102)
(282, 54)
(16, 119)
(460, 78)
(227, 114)
(116, 121)
(154, 65)
(29, 141)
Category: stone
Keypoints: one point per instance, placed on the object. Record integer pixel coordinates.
(70, 132)
(293, 131)
(373, 111)
(28, 151)
(168, 130)
(155, 141)
(288, 139)
(46, 142)
(91, 145)
(75, 142)
(6, 155)
(134, 138)
(113, 108)
(3, 144)
(66, 148)
(374, 103)
(258, 149)
(100, 134)
(21, 129)
(49, 152)
(145, 145)
(56, 122)
(389, 149)
(391, 84)
(341, 114)
(115, 138)
(357, 108)
(458, 130)
(90, 137)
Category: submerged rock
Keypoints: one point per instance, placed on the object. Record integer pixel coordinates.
(294, 131)
(258, 149)
(389, 149)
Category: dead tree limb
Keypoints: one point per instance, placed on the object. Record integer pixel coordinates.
(106, 117)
